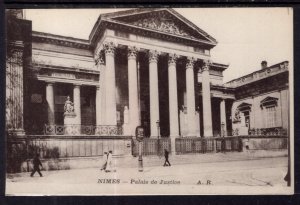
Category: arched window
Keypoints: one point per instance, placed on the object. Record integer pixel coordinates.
(245, 108)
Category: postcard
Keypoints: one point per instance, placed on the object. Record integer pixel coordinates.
(149, 101)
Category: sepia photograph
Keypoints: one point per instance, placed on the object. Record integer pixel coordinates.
(149, 101)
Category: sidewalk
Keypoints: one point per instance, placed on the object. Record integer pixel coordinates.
(202, 158)
(154, 160)
(189, 174)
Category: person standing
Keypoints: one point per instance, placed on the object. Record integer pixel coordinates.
(167, 163)
(36, 165)
(104, 161)
(109, 164)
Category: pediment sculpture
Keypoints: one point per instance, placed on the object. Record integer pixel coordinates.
(237, 116)
(166, 26)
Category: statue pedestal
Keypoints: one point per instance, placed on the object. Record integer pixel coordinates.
(70, 124)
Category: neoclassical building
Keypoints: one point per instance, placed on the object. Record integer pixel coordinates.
(150, 67)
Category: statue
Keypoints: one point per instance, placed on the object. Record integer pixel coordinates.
(69, 106)
(237, 116)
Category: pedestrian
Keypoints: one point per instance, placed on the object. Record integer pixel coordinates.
(109, 164)
(248, 148)
(36, 165)
(104, 161)
(167, 163)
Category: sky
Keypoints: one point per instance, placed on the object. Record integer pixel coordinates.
(246, 36)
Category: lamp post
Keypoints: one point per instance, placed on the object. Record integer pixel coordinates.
(222, 129)
(139, 133)
(222, 135)
(157, 125)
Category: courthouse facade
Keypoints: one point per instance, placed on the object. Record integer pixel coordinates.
(148, 67)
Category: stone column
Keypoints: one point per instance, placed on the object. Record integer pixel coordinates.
(98, 106)
(14, 89)
(173, 100)
(207, 119)
(100, 92)
(223, 117)
(190, 97)
(154, 100)
(133, 89)
(77, 106)
(110, 84)
(50, 101)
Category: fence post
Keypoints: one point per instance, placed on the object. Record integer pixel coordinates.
(215, 144)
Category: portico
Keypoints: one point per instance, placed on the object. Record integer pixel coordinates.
(150, 72)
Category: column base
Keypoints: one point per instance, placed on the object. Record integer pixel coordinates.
(192, 135)
(155, 137)
(173, 144)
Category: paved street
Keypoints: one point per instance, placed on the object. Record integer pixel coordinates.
(252, 175)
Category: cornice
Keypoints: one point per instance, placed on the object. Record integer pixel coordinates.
(60, 40)
(168, 36)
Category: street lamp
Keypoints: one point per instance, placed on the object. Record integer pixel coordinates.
(223, 129)
(139, 133)
(223, 139)
(157, 125)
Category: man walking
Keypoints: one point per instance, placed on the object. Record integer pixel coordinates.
(36, 166)
(167, 163)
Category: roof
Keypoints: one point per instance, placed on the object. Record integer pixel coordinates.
(118, 18)
(259, 74)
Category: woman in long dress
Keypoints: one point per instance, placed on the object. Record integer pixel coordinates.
(109, 164)
(104, 161)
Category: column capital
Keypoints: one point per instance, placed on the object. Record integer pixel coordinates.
(172, 59)
(76, 85)
(190, 62)
(153, 56)
(132, 52)
(206, 65)
(100, 58)
(109, 47)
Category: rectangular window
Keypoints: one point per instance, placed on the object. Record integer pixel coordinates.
(271, 116)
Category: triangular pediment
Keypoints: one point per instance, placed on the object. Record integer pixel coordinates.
(164, 20)
(268, 101)
(244, 107)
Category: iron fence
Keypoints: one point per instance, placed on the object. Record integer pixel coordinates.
(229, 144)
(274, 131)
(151, 146)
(194, 145)
(101, 130)
(50, 147)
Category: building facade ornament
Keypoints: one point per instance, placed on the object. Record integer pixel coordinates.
(206, 65)
(132, 52)
(100, 59)
(167, 26)
(237, 116)
(69, 106)
(190, 62)
(109, 48)
(172, 59)
(153, 56)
